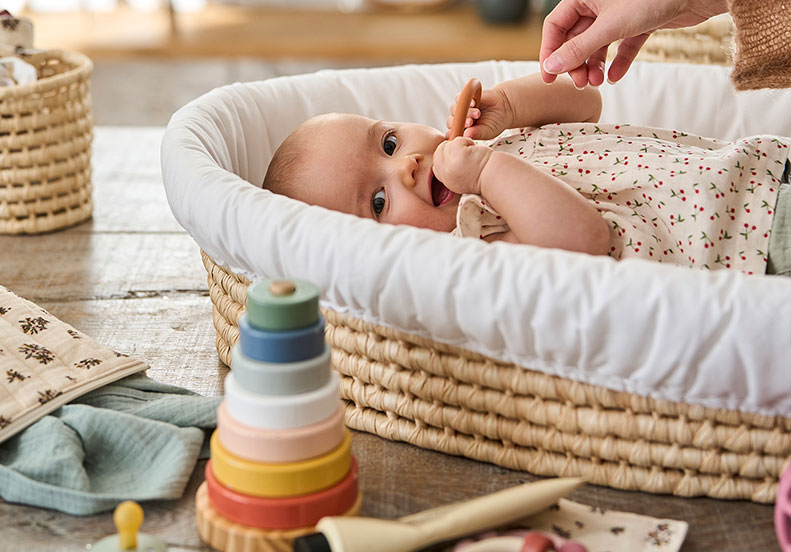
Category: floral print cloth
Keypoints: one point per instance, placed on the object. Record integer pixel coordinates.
(602, 530)
(599, 529)
(667, 195)
(46, 363)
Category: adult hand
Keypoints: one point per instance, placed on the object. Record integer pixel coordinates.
(576, 33)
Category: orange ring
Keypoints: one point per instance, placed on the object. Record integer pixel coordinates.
(282, 513)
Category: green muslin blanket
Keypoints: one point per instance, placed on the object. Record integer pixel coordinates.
(78, 433)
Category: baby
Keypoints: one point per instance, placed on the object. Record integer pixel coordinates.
(559, 180)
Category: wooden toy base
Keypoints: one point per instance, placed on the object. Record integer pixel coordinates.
(223, 534)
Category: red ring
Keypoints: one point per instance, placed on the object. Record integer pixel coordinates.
(282, 513)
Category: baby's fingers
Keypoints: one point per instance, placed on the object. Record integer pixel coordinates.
(472, 116)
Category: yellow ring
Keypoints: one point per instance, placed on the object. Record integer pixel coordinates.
(283, 479)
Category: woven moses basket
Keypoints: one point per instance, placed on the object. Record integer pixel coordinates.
(46, 129)
(407, 388)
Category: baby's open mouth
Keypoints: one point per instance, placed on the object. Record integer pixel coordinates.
(440, 195)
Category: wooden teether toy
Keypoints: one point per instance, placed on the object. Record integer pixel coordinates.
(470, 92)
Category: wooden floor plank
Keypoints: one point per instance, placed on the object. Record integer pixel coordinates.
(75, 264)
(398, 479)
(128, 193)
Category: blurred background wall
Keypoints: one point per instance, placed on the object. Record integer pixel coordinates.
(153, 56)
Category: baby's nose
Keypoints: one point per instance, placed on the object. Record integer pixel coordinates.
(408, 168)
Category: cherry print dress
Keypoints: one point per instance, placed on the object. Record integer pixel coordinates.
(668, 196)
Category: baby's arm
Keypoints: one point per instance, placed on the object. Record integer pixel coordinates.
(534, 103)
(539, 208)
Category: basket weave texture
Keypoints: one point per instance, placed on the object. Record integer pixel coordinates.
(406, 388)
(46, 129)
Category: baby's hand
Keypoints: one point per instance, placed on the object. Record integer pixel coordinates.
(458, 164)
(488, 119)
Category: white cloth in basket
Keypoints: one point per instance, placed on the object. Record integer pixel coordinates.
(720, 339)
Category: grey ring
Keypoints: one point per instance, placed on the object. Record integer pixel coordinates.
(280, 378)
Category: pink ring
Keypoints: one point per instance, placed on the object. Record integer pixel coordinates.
(279, 445)
(283, 513)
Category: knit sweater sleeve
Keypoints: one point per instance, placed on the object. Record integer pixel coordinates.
(763, 43)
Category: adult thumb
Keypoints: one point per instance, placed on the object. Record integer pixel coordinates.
(577, 49)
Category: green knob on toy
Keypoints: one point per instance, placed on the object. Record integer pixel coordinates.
(283, 304)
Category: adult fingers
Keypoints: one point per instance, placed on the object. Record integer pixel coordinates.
(627, 51)
(596, 66)
(554, 30)
(576, 50)
(579, 75)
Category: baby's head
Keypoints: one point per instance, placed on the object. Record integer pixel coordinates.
(368, 168)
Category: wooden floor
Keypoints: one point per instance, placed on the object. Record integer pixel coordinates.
(132, 279)
(384, 36)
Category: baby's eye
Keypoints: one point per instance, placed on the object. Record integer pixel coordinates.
(378, 202)
(390, 144)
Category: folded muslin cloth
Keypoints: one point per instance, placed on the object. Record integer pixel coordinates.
(81, 429)
(133, 439)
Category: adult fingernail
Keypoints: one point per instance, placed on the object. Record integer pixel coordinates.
(552, 64)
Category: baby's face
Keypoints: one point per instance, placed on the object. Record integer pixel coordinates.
(377, 170)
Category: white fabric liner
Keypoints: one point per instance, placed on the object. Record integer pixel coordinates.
(720, 339)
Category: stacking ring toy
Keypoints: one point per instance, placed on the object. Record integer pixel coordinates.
(281, 411)
(281, 480)
(286, 512)
(470, 92)
(285, 445)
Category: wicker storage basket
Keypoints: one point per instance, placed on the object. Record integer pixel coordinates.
(46, 129)
(443, 398)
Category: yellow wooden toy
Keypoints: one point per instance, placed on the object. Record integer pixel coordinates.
(128, 517)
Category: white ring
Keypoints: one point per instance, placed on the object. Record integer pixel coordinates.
(281, 411)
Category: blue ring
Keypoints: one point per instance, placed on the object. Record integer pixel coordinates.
(283, 345)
